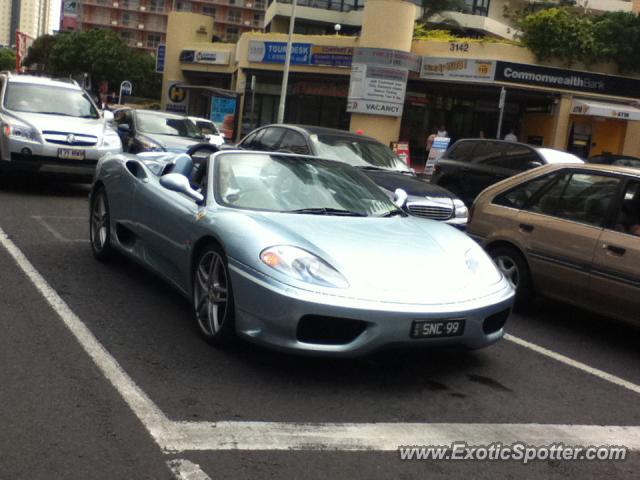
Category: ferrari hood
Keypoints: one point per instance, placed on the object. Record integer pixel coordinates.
(396, 259)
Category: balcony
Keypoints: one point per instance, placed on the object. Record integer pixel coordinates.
(483, 25)
(110, 4)
(118, 24)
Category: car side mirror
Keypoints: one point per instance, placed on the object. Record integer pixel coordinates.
(179, 183)
(400, 198)
(107, 115)
(533, 164)
(124, 129)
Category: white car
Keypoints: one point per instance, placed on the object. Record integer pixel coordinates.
(52, 126)
(208, 128)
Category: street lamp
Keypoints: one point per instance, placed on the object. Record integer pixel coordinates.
(287, 63)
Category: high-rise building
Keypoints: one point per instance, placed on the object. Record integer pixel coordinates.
(143, 23)
(33, 17)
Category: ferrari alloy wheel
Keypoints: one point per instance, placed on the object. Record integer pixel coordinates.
(99, 226)
(514, 267)
(212, 297)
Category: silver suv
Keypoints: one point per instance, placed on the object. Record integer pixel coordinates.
(52, 126)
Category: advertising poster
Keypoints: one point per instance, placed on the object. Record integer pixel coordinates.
(223, 111)
(440, 145)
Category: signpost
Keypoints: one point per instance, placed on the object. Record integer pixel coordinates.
(501, 103)
(126, 88)
(160, 56)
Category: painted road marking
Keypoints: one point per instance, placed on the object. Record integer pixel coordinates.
(574, 363)
(56, 234)
(186, 470)
(174, 436)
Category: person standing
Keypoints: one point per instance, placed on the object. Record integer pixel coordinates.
(430, 140)
(442, 131)
(511, 136)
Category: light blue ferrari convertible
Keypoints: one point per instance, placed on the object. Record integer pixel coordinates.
(296, 253)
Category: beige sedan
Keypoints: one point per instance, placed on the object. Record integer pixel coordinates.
(570, 232)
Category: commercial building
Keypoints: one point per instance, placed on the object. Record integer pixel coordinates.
(396, 88)
(33, 17)
(143, 23)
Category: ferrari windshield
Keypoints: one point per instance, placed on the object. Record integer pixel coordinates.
(293, 184)
(359, 152)
(161, 124)
(50, 100)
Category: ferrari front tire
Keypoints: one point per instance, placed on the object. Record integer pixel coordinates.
(213, 297)
(100, 226)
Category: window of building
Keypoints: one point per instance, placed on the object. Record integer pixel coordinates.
(156, 5)
(209, 10)
(153, 40)
(477, 7)
(257, 20)
(234, 16)
(127, 37)
(232, 34)
(183, 6)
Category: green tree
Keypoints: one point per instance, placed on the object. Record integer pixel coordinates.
(40, 51)
(7, 59)
(100, 53)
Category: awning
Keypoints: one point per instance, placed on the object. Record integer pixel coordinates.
(213, 91)
(604, 109)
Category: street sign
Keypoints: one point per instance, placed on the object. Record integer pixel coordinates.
(126, 88)
(160, 55)
(503, 97)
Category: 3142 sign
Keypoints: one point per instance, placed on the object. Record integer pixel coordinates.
(458, 47)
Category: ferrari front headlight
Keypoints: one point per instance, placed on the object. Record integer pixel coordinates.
(302, 265)
(481, 266)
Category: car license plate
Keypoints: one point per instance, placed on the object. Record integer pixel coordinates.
(70, 154)
(451, 327)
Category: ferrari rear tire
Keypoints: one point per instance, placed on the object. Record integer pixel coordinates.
(213, 303)
(100, 226)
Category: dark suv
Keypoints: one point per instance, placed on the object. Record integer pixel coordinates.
(471, 165)
(375, 159)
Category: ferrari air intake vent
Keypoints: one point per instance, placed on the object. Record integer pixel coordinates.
(329, 330)
(495, 322)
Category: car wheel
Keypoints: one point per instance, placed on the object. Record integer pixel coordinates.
(514, 267)
(100, 226)
(212, 297)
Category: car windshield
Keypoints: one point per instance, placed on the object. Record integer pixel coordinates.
(359, 152)
(292, 184)
(160, 124)
(51, 100)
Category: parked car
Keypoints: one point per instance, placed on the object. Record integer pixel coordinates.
(296, 253)
(471, 165)
(209, 130)
(375, 159)
(618, 160)
(52, 126)
(154, 131)
(570, 232)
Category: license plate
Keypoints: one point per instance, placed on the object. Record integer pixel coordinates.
(70, 154)
(452, 327)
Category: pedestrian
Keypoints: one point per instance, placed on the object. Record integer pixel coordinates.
(511, 136)
(482, 135)
(430, 140)
(442, 131)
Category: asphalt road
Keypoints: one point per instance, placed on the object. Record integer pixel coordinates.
(62, 418)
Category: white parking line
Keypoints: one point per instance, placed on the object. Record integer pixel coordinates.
(186, 470)
(575, 364)
(57, 235)
(174, 436)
